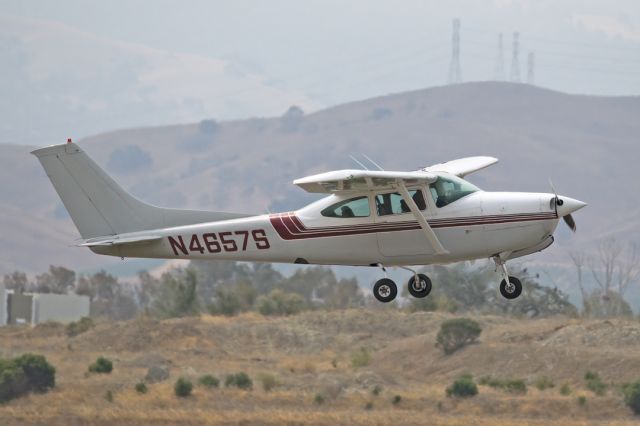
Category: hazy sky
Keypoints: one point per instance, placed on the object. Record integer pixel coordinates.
(330, 51)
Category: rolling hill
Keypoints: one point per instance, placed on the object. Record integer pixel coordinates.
(587, 145)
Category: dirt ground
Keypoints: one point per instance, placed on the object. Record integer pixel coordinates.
(311, 354)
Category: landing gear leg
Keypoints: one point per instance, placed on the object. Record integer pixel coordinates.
(510, 287)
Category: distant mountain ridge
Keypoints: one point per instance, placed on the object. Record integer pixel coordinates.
(587, 145)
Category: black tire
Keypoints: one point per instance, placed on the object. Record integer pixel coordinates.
(422, 288)
(385, 290)
(513, 291)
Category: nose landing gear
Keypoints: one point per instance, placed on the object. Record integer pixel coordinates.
(510, 287)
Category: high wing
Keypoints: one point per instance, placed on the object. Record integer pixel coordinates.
(462, 166)
(361, 180)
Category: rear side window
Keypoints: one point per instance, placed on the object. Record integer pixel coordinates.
(353, 207)
(393, 203)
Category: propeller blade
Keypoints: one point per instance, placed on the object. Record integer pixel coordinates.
(568, 219)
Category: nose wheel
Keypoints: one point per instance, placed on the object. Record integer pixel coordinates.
(510, 287)
(385, 290)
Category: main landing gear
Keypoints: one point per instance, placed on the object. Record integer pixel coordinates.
(510, 287)
(385, 290)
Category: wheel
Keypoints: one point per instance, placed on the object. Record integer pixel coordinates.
(419, 289)
(385, 290)
(511, 290)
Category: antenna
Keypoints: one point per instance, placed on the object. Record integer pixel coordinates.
(499, 71)
(373, 162)
(359, 163)
(515, 67)
(455, 75)
(531, 64)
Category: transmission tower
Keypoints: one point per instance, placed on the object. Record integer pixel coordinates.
(515, 67)
(499, 71)
(455, 75)
(531, 65)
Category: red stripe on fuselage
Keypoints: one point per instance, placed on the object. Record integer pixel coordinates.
(290, 227)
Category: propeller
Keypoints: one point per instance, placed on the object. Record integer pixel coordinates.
(557, 201)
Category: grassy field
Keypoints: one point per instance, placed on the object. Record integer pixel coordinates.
(312, 354)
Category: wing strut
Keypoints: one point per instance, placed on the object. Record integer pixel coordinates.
(431, 236)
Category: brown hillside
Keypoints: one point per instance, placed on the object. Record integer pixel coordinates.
(310, 354)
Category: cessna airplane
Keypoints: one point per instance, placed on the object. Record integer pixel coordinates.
(369, 218)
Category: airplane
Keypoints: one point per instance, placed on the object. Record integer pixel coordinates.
(372, 218)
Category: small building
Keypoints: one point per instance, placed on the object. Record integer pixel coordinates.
(34, 308)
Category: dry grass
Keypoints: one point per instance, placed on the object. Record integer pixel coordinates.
(301, 351)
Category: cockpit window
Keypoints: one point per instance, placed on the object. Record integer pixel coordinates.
(448, 189)
(393, 203)
(353, 207)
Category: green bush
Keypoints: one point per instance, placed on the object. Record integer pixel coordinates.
(396, 400)
(544, 383)
(102, 366)
(508, 385)
(463, 387)
(141, 387)
(565, 389)
(319, 399)
(78, 327)
(360, 358)
(108, 395)
(582, 400)
(183, 387)
(26, 373)
(632, 396)
(268, 381)
(209, 381)
(376, 390)
(368, 406)
(594, 383)
(240, 380)
(457, 333)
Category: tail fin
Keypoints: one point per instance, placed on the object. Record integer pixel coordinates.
(99, 206)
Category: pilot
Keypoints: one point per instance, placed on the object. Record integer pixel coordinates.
(345, 211)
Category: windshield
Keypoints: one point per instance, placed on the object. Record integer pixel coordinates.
(448, 189)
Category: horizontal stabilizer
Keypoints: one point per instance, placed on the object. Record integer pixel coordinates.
(113, 240)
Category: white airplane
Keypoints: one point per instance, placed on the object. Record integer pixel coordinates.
(370, 218)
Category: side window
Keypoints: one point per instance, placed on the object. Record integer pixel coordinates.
(447, 190)
(393, 203)
(353, 207)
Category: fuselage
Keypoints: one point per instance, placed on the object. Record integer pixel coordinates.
(477, 225)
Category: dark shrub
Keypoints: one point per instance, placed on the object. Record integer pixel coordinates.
(268, 381)
(141, 387)
(108, 395)
(79, 327)
(457, 333)
(632, 396)
(396, 400)
(508, 385)
(183, 387)
(24, 374)
(594, 383)
(376, 390)
(319, 399)
(209, 381)
(102, 365)
(463, 387)
(543, 383)
(240, 380)
(360, 358)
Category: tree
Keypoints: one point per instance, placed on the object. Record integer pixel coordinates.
(58, 280)
(176, 294)
(16, 281)
(614, 268)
